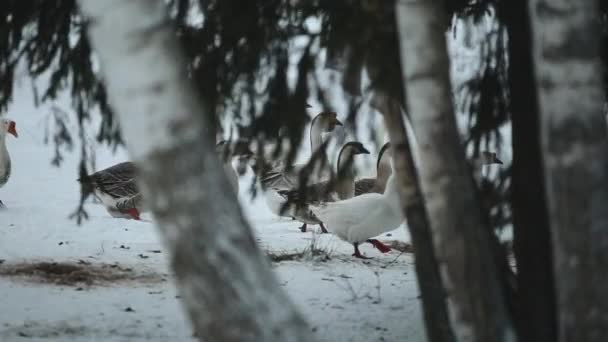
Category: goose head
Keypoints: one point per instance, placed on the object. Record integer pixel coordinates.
(325, 122)
(487, 158)
(8, 126)
(347, 153)
(354, 148)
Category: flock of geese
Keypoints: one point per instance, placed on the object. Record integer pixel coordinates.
(354, 210)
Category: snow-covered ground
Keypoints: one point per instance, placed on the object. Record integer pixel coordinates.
(112, 281)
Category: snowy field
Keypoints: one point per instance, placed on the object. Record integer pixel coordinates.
(108, 279)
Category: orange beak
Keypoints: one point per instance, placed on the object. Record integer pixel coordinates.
(12, 129)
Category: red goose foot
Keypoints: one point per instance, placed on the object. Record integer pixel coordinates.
(357, 253)
(134, 213)
(381, 247)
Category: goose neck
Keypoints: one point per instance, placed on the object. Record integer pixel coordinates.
(346, 172)
(316, 135)
(382, 173)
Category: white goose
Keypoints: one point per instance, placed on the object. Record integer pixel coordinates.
(276, 177)
(383, 171)
(359, 219)
(299, 199)
(6, 127)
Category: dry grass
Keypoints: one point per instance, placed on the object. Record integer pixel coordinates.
(315, 254)
(400, 246)
(75, 273)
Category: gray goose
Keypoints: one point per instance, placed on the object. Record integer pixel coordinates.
(117, 189)
(383, 171)
(7, 127)
(116, 186)
(327, 191)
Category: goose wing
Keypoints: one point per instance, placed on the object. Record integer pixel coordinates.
(364, 186)
(117, 181)
(126, 203)
(312, 194)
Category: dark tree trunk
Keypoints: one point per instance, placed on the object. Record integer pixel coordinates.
(535, 308)
(566, 50)
(434, 302)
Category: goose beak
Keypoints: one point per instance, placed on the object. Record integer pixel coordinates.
(364, 151)
(12, 129)
(338, 122)
(498, 161)
(308, 106)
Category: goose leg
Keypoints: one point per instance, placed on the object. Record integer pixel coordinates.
(2, 205)
(323, 230)
(357, 253)
(303, 228)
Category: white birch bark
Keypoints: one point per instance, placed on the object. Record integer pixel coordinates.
(461, 241)
(434, 304)
(226, 284)
(566, 49)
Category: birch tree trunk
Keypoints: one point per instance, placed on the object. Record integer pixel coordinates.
(226, 284)
(535, 308)
(461, 242)
(566, 49)
(434, 304)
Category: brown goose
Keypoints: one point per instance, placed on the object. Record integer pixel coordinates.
(278, 177)
(6, 127)
(383, 171)
(275, 177)
(299, 199)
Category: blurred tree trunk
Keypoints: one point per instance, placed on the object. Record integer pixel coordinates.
(535, 307)
(566, 50)
(226, 283)
(434, 304)
(462, 246)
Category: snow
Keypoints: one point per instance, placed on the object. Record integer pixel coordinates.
(344, 299)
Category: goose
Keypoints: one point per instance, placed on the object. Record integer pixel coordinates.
(117, 189)
(8, 127)
(116, 186)
(325, 191)
(357, 220)
(275, 177)
(383, 171)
